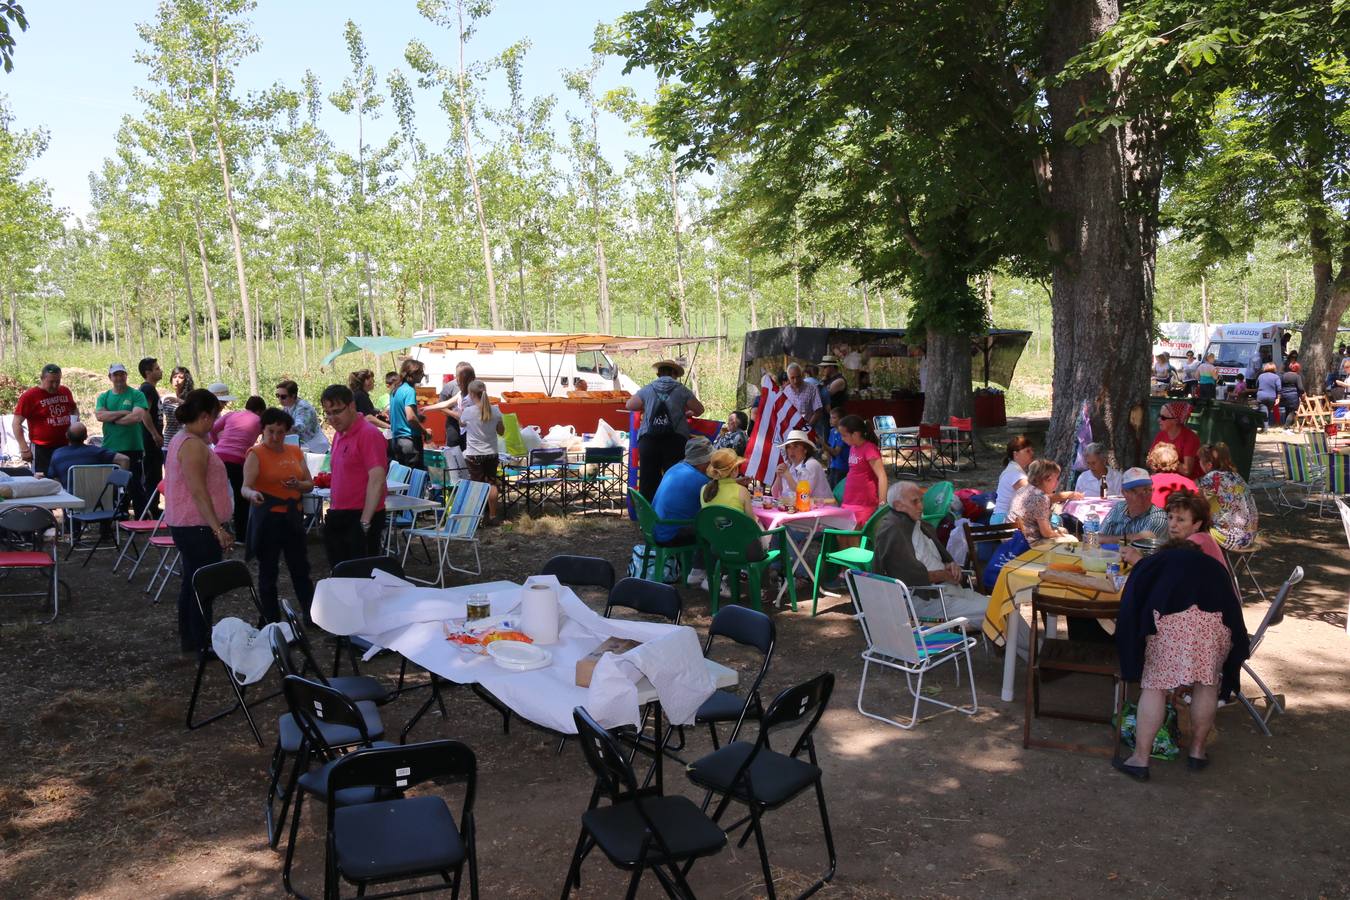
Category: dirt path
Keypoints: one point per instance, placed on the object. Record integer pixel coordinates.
(104, 794)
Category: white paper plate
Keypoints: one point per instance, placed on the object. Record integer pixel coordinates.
(518, 656)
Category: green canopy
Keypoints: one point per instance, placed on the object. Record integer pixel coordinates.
(376, 345)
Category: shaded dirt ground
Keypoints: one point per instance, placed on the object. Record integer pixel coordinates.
(104, 794)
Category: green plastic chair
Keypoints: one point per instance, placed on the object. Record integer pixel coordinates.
(733, 543)
(652, 552)
(937, 502)
(839, 490)
(859, 557)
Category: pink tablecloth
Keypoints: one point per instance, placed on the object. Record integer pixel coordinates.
(1081, 509)
(829, 516)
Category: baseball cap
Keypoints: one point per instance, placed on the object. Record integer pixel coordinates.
(1136, 477)
(117, 367)
(51, 369)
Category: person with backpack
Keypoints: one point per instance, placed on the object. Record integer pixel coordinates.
(661, 435)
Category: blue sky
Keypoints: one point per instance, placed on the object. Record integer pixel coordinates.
(74, 71)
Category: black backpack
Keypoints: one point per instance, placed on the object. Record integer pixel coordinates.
(659, 419)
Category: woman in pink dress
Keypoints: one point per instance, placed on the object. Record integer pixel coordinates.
(865, 488)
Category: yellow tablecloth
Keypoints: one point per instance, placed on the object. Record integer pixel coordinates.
(1021, 573)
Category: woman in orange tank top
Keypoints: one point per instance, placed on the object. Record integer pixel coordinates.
(275, 476)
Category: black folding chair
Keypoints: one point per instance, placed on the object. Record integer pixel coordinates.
(639, 829)
(581, 571)
(748, 628)
(355, 646)
(360, 689)
(322, 724)
(209, 583)
(651, 598)
(406, 837)
(763, 779)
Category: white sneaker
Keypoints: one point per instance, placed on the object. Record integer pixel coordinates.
(696, 576)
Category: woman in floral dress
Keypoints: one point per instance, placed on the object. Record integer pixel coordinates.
(1232, 505)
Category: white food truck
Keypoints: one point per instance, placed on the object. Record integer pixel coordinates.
(1243, 347)
(1175, 338)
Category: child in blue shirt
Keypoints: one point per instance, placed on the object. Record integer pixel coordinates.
(838, 450)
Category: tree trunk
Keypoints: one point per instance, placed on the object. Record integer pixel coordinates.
(212, 312)
(1242, 286)
(1288, 307)
(750, 293)
(867, 307)
(1204, 305)
(679, 247)
(301, 327)
(1105, 199)
(493, 312)
(1331, 299)
(948, 377)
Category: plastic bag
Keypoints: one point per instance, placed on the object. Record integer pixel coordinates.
(636, 569)
(1165, 743)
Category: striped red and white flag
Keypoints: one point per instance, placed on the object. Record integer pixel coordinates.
(777, 416)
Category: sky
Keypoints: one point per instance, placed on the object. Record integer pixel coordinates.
(75, 72)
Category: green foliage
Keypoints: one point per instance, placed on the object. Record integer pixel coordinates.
(10, 12)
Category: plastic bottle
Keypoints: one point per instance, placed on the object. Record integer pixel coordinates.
(1092, 527)
(759, 493)
(803, 496)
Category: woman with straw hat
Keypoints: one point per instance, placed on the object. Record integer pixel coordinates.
(725, 488)
(800, 464)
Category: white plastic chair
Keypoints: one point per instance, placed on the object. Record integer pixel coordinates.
(895, 640)
(458, 523)
(1345, 521)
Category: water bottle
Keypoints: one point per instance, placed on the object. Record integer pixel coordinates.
(1092, 527)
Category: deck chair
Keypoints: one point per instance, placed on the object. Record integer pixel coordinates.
(1302, 478)
(1273, 616)
(100, 487)
(1344, 510)
(896, 639)
(417, 487)
(458, 523)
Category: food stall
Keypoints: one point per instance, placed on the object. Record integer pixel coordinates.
(882, 367)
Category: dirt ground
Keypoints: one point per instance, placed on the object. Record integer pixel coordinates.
(103, 793)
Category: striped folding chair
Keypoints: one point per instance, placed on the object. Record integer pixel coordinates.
(457, 524)
(399, 472)
(1338, 479)
(1300, 478)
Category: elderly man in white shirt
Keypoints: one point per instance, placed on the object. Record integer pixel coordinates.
(1097, 473)
(906, 548)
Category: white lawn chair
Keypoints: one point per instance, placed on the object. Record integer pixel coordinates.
(1345, 521)
(1272, 617)
(458, 523)
(895, 640)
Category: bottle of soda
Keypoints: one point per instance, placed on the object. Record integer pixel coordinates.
(759, 493)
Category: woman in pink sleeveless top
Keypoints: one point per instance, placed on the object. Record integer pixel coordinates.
(198, 499)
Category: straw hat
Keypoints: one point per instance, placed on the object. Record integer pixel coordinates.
(222, 392)
(829, 359)
(796, 436)
(724, 464)
(672, 363)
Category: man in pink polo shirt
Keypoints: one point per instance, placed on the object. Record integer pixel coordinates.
(354, 526)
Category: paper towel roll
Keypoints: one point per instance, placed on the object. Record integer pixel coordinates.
(539, 613)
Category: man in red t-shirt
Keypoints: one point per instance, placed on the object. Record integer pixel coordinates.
(48, 409)
(354, 526)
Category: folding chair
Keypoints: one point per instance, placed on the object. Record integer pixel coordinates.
(888, 436)
(1273, 616)
(919, 452)
(417, 488)
(1069, 655)
(147, 525)
(764, 779)
(167, 566)
(896, 639)
(399, 472)
(405, 837)
(541, 478)
(580, 571)
(963, 441)
(1345, 523)
(749, 629)
(321, 723)
(976, 536)
(604, 475)
(361, 568)
(1301, 476)
(639, 830)
(107, 502)
(458, 523)
(30, 525)
(650, 598)
(210, 583)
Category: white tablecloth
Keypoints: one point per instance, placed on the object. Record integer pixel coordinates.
(411, 620)
(60, 500)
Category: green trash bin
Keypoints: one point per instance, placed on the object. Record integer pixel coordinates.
(1215, 421)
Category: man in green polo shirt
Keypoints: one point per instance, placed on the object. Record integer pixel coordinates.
(123, 412)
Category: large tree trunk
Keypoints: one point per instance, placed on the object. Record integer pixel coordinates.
(947, 381)
(1105, 199)
(1331, 299)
